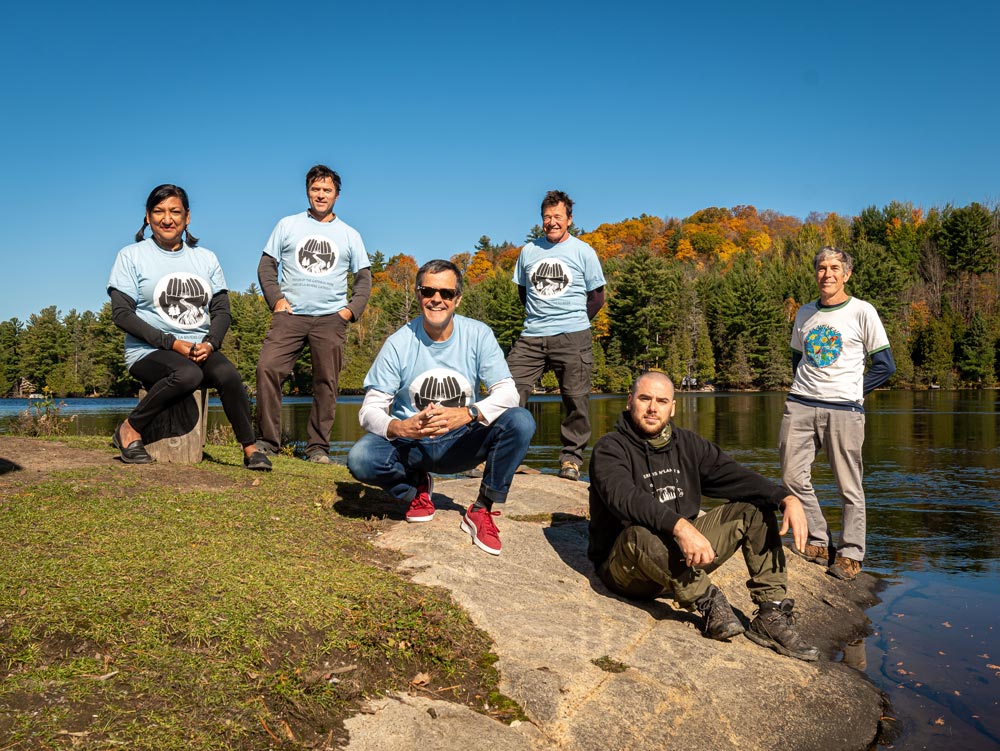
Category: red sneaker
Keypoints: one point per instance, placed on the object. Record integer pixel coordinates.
(422, 507)
(478, 522)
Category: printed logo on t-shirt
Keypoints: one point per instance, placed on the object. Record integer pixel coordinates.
(316, 255)
(823, 345)
(443, 386)
(550, 278)
(181, 299)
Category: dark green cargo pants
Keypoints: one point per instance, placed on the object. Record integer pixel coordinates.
(643, 564)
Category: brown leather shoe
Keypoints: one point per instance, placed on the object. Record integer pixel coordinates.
(569, 471)
(815, 553)
(846, 569)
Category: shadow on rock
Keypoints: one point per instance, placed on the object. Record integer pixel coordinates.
(569, 540)
(360, 501)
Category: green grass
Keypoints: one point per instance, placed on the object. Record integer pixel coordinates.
(208, 607)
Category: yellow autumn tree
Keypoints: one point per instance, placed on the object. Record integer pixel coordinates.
(758, 242)
(726, 251)
(685, 251)
(479, 268)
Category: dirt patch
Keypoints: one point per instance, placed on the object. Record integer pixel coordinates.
(28, 457)
(28, 461)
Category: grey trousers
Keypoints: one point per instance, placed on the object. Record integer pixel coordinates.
(285, 340)
(841, 435)
(643, 564)
(571, 358)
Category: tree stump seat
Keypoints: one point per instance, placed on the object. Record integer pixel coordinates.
(177, 435)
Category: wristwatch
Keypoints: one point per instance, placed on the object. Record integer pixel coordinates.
(473, 412)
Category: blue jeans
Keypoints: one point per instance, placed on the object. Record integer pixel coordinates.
(398, 465)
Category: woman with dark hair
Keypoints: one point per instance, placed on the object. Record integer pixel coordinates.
(169, 297)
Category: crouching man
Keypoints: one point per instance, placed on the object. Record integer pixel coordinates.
(421, 414)
(647, 539)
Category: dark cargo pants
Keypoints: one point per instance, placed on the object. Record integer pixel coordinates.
(643, 565)
(571, 358)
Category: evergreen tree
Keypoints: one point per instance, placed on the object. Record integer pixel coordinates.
(737, 372)
(976, 353)
(878, 277)
(113, 378)
(933, 354)
(749, 309)
(619, 375)
(966, 239)
(251, 321)
(10, 357)
(43, 346)
(704, 356)
(495, 302)
(905, 373)
(644, 315)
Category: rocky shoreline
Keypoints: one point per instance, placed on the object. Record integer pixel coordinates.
(593, 672)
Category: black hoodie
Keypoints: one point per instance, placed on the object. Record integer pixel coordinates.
(632, 482)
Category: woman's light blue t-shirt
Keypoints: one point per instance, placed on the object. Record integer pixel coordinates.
(171, 289)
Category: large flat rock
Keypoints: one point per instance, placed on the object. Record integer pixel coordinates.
(563, 640)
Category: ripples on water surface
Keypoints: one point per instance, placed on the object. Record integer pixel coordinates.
(932, 480)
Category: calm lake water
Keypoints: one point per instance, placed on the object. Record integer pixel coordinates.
(932, 478)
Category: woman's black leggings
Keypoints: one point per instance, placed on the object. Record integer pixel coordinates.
(169, 377)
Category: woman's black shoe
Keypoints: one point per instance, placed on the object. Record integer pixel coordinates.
(257, 461)
(134, 453)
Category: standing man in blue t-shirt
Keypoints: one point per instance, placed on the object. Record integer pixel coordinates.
(422, 413)
(315, 250)
(561, 285)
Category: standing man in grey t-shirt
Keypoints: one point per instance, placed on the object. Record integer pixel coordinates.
(561, 284)
(315, 250)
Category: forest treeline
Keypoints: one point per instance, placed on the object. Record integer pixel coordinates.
(710, 297)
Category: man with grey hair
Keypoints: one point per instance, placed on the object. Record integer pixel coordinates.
(831, 340)
(648, 537)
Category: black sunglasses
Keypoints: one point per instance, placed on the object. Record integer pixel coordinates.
(429, 292)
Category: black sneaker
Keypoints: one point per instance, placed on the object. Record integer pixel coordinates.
(718, 619)
(257, 461)
(774, 627)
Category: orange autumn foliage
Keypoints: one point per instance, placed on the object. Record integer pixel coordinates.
(479, 268)
(401, 271)
(685, 251)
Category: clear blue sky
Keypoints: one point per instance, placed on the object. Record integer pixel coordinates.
(448, 121)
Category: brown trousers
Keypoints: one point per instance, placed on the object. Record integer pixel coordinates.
(285, 340)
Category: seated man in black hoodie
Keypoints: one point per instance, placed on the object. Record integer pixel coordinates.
(647, 539)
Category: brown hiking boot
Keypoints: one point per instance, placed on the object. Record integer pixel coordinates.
(774, 628)
(718, 619)
(814, 553)
(846, 569)
(569, 471)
